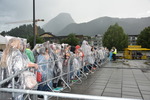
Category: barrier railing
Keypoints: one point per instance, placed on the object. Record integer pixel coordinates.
(67, 84)
(63, 95)
(53, 93)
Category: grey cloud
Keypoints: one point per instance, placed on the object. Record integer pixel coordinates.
(81, 10)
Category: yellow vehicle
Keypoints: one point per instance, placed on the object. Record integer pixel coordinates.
(135, 52)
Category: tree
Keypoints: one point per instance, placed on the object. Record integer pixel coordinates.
(115, 36)
(39, 40)
(71, 40)
(3, 33)
(144, 38)
(23, 31)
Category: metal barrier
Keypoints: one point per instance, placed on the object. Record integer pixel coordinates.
(12, 77)
(53, 93)
(65, 95)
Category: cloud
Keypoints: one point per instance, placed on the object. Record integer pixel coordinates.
(148, 12)
(80, 10)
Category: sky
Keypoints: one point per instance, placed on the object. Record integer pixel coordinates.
(80, 10)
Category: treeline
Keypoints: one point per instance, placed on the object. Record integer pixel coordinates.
(23, 31)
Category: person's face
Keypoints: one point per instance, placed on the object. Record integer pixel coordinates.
(67, 48)
(58, 51)
(78, 51)
(46, 50)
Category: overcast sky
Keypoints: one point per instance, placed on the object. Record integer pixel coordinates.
(80, 10)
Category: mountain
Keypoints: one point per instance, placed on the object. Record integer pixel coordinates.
(131, 26)
(58, 23)
(63, 24)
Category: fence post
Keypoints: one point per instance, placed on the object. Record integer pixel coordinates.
(13, 87)
(45, 97)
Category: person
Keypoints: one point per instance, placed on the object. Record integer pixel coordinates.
(110, 55)
(86, 48)
(29, 53)
(58, 67)
(67, 62)
(114, 51)
(79, 56)
(43, 60)
(101, 55)
(32, 70)
(35, 51)
(13, 61)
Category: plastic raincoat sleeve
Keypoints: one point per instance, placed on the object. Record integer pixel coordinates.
(76, 64)
(86, 48)
(41, 59)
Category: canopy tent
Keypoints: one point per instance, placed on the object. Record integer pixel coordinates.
(10, 37)
(3, 40)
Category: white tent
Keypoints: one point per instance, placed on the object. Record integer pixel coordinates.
(9, 37)
(3, 40)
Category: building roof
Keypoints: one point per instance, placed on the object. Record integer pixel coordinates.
(47, 34)
(136, 48)
(133, 35)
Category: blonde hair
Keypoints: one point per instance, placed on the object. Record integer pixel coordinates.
(12, 43)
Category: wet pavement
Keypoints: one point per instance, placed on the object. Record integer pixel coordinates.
(116, 79)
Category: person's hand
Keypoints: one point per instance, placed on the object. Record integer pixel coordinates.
(36, 66)
(33, 65)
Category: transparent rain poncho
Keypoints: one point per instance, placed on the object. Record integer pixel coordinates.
(101, 53)
(43, 63)
(76, 65)
(86, 48)
(35, 50)
(92, 57)
(51, 61)
(45, 69)
(15, 63)
(80, 61)
(96, 55)
(58, 62)
(68, 66)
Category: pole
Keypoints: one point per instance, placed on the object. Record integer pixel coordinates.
(34, 34)
(63, 95)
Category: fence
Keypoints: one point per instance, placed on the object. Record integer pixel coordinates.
(65, 95)
(47, 95)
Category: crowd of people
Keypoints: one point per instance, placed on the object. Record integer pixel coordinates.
(50, 62)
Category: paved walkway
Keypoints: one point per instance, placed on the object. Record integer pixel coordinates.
(117, 82)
